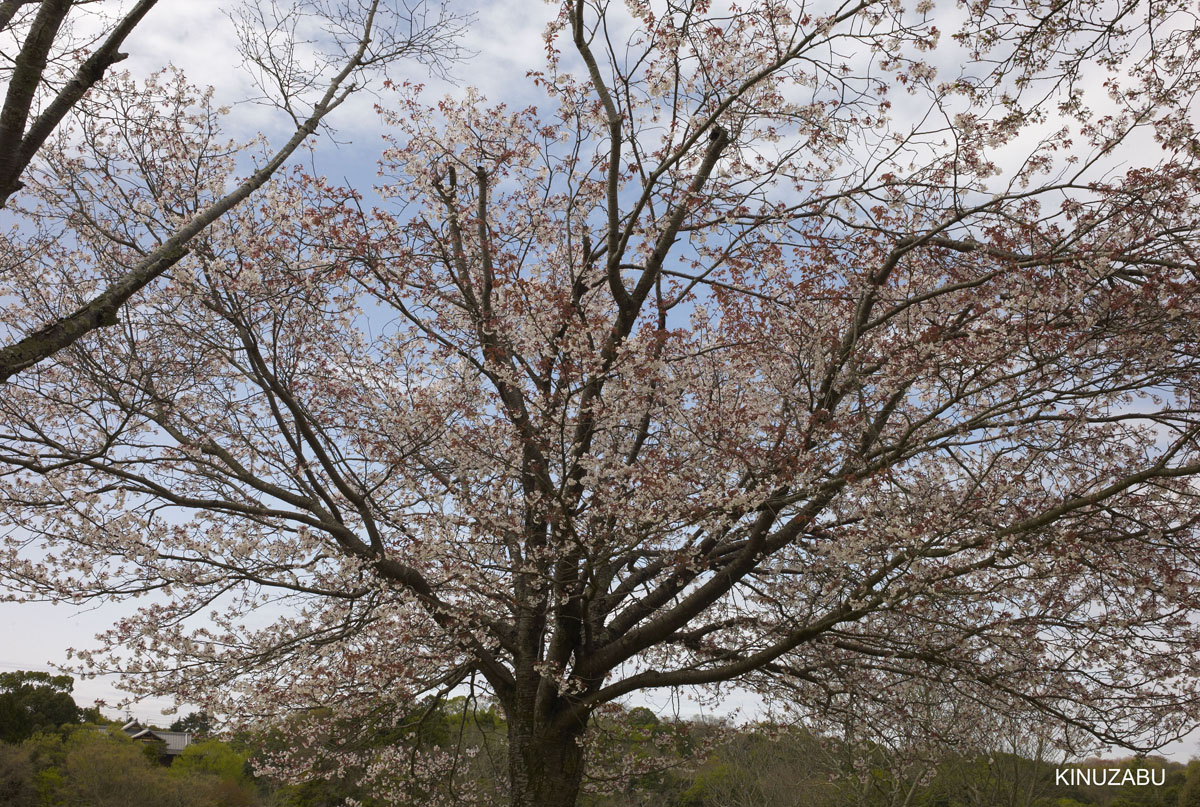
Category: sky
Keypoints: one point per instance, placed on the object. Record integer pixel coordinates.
(504, 41)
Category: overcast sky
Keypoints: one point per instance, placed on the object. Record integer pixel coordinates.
(506, 42)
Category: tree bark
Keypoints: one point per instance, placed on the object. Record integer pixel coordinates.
(545, 762)
(27, 69)
(18, 146)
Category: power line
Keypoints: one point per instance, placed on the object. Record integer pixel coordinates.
(24, 665)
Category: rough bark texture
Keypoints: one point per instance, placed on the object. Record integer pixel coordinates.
(18, 145)
(545, 763)
(99, 312)
(28, 67)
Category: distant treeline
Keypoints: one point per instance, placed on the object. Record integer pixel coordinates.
(51, 757)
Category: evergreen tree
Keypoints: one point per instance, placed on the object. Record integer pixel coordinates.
(34, 701)
(1189, 796)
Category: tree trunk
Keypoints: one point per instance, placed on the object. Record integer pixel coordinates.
(545, 765)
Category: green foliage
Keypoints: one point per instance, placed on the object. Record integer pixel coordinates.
(47, 751)
(715, 784)
(642, 717)
(107, 769)
(100, 766)
(17, 785)
(212, 757)
(34, 701)
(785, 768)
(1171, 774)
(1189, 794)
(638, 760)
(194, 722)
(634, 755)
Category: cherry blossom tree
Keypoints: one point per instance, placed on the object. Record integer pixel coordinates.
(792, 346)
(56, 66)
(41, 38)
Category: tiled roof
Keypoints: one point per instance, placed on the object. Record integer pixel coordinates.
(175, 741)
